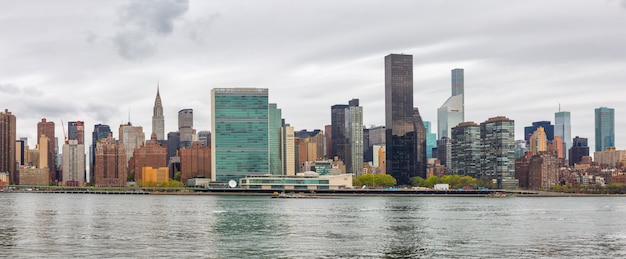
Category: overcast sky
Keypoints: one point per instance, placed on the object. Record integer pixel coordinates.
(97, 60)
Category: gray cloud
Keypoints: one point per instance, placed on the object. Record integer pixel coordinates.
(9, 89)
(199, 28)
(142, 23)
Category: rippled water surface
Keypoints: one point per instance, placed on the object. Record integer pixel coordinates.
(88, 225)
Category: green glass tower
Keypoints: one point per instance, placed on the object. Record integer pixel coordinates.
(240, 133)
(605, 128)
(275, 122)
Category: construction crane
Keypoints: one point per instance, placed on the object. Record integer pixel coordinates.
(64, 134)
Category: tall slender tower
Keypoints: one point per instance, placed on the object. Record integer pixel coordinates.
(605, 128)
(452, 112)
(401, 135)
(46, 128)
(158, 121)
(7, 145)
(563, 128)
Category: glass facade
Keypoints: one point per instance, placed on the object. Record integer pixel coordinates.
(354, 136)
(431, 140)
(275, 123)
(465, 153)
(498, 151)
(605, 128)
(240, 133)
(563, 128)
(401, 138)
(452, 112)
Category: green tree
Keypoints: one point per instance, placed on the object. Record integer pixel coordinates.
(131, 176)
(385, 180)
(431, 181)
(177, 176)
(417, 181)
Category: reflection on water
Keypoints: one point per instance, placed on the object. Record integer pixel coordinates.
(71, 225)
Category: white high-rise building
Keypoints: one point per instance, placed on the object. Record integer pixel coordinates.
(452, 112)
(73, 163)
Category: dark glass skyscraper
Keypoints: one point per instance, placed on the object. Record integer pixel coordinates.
(605, 128)
(401, 135)
(338, 131)
(579, 149)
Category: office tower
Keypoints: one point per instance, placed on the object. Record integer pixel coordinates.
(497, 136)
(543, 171)
(275, 122)
(173, 160)
(100, 131)
(367, 148)
(605, 128)
(46, 128)
(287, 151)
(185, 127)
(314, 144)
(401, 143)
(547, 128)
(151, 155)
(465, 149)
(556, 148)
(452, 112)
(431, 140)
(563, 128)
(195, 162)
(444, 152)
(158, 120)
(338, 131)
(204, 137)
(538, 141)
(76, 131)
(111, 162)
(579, 149)
(354, 137)
(328, 129)
(7, 145)
(131, 137)
(73, 163)
(239, 134)
(20, 152)
(420, 142)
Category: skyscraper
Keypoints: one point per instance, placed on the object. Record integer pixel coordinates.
(110, 167)
(338, 131)
(275, 122)
(431, 140)
(465, 149)
(452, 112)
(7, 145)
(131, 137)
(185, 127)
(354, 137)
(538, 141)
(548, 128)
(401, 142)
(76, 131)
(100, 131)
(579, 149)
(563, 128)
(287, 150)
(239, 134)
(46, 128)
(605, 128)
(204, 136)
(497, 135)
(158, 120)
(73, 163)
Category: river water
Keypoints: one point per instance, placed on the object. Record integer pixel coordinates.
(150, 226)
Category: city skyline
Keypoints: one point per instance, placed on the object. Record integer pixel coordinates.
(107, 64)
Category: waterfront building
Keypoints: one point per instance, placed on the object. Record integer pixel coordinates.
(46, 128)
(158, 120)
(151, 155)
(452, 112)
(444, 152)
(73, 163)
(420, 143)
(302, 181)
(7, 145)
(185, 127)
(563, 128)
(100, 131)
(605, 128)
(579, 149)
(543, 171)
(431, 140)
(287, 151)
(204, 137)
(538, 141)
(497, 135)
(274, 123)
(31, 175)
(328, 129)
(354, 137)
(465, 149)
(240, 133)
(131, 137)
(151, 176)
(110, 166)
(195, 162)
(548, 128)
(401, 138)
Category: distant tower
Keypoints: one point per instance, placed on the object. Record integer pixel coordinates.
(563, 128)
(158, 121)
(452, 112)
(46, 128)
(465, 149)
(7, 145)
(497, 135)
(100, 131)
(185, 127)
(354, 137)
(76, 131)
(605, 128)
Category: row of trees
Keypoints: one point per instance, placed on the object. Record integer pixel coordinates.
(374, 180)
(455, 181)
(610, 188)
